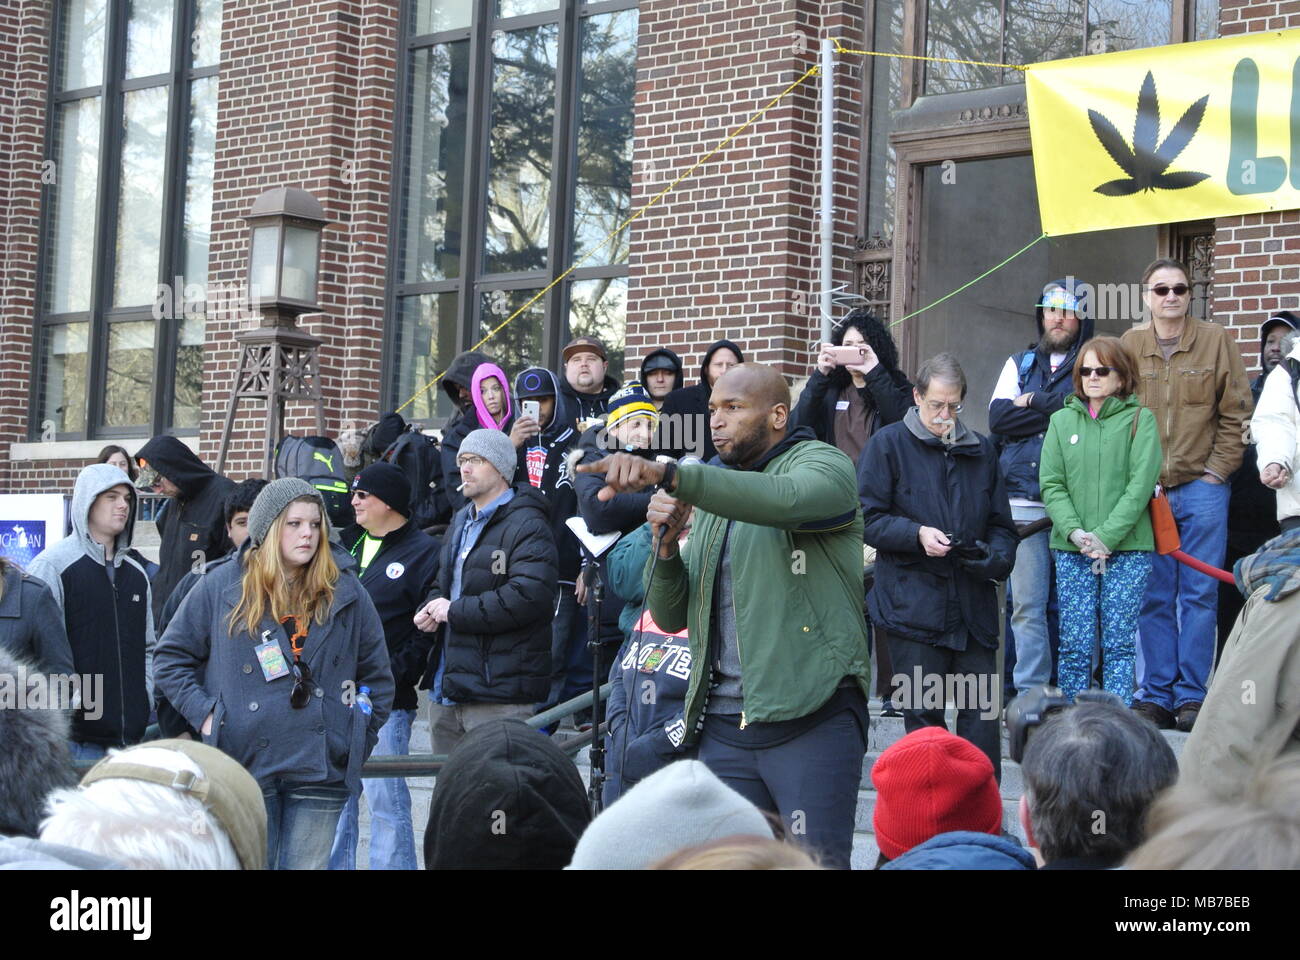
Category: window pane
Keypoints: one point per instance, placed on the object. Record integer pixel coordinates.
(1127, 24)
(434, 16)
(598, 308)
(604, 186)
(128, 387)
(81, 44)
(519, 343)
(187, 393)
(1041, 30)
(519, 151)
(198, 179)
(425, 345)
(75, 190)
(435, 183)
(1207, 20)
(205, 41)
(517, 8)
(63, 377)
(886, 100)
(963, 30)
(149, 38)
(139, 211)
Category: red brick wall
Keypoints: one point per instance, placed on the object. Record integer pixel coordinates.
(1256, 257)
(24, 61)
(733, 250)
(306, 100)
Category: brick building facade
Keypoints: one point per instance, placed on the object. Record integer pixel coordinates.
(310, 94)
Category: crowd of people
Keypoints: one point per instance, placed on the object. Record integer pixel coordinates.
(733, 564)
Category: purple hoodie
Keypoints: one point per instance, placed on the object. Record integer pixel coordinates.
(481, 373)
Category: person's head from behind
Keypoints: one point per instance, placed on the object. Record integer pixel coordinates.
(932, 782)
(1103, 369)
(238, 502)
(118, 457)
(1091, 773)
(110, 513)
(34, 757)
(741, 852)
(288, 567)
(1191, 829)
(1166, 289)
(1059, 310)
(165, 805)
(939, 392)
(749, 413)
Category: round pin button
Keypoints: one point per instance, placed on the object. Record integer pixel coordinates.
(1074, 438)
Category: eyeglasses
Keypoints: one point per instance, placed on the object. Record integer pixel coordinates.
(935, 406)
(1162, 290)
(1087, 372)
(360, 494)
(470, 461)
(300, 696)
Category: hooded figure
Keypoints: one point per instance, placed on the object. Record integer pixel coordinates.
(508, 798)
(107, 613)
(194, 523)
(662, 359)
(1252, 507)
(542, 462)
(693, 401)
(34, 756)
(474, 415)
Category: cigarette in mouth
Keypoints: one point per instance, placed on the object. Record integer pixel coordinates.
(460, 488)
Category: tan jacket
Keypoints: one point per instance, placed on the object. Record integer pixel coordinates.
(1252, 709)
(1200, 396)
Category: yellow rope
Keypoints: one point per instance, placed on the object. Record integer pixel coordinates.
(810, 72)
(840, 48)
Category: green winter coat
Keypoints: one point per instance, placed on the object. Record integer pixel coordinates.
(1098, 476)
(796, 565)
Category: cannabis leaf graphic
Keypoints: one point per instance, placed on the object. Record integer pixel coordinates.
(1146, 163)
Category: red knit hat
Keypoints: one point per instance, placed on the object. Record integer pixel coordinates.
(932, 782)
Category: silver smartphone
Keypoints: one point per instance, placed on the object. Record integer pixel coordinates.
(531, 409)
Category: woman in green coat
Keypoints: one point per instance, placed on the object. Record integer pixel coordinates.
(1099, 466)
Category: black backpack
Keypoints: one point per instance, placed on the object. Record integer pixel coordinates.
(319, 461)
(420, 459)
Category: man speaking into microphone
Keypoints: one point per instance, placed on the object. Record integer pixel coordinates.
(770, 591)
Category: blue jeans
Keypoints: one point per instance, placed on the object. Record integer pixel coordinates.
(1114, 598)
(91, 752)
(392, 835)
(301, 819)
(1031, 592)
(1180, 608)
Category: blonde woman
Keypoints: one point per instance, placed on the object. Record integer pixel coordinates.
(269, 656)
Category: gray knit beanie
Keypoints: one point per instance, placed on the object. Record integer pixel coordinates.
(272, 501)
(684, 804)
(494, 447)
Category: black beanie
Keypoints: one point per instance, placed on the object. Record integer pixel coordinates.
(388, 483)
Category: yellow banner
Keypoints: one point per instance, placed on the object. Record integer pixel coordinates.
(1187, 131)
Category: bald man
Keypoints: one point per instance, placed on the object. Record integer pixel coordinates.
(769, 589)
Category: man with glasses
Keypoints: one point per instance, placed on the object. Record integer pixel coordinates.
(1035, 384)
(397, 563)
(493, 599)
(1190, 374)
(935, 507)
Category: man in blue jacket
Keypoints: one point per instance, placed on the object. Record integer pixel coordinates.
(1035, 384)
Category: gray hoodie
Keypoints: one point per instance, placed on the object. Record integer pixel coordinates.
(110, 623)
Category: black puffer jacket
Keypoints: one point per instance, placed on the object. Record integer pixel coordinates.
(694, 402)
(908, 478)
(195, 521)
(589, 405)
(399, 576)
(498, 647)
